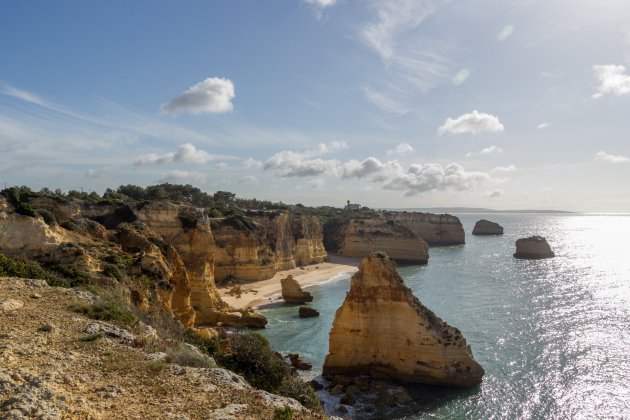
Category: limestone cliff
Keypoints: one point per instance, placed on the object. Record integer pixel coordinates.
(258, 246)
(435, 229)
(383, 330)
(359, 237)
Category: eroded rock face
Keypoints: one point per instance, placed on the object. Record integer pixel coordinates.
(533, 248)
(362, 236)
(486, 227)
(383, 330)
(292, 291)
(435, 229)
(273, 241)
(29, 236)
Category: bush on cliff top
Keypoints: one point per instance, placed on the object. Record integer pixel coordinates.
(24, 269)
(251, 356)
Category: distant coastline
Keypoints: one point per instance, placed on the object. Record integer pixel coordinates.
(477, 210)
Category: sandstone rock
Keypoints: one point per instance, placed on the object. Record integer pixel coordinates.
(360, 237)
(352, 389)
(435, 229)
(383, 330)
(533, 248)
(486, 227)
(10, 305)
(292, 291)
(298, 363)
(230, 412)
(316, 385)
(308, 312)
(336, 390)
(35, 296)
(401, 396)
(245, 318)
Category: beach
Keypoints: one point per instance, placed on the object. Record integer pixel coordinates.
(255, 293)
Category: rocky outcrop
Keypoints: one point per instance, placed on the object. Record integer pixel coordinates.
(29, 236)
(307, 312)
(383, 330)
(257, 246)
(533, 248)
(486, 227)
(292, 291)
(359, 237)
(435, 229)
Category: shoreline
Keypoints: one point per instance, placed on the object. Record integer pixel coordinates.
(257, 293)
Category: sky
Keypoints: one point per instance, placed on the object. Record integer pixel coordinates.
(391, 104)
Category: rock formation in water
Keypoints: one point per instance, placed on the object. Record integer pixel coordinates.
(533, 248)
(359, 237)
(292, 291)
(486, 227)
(383, 330)
(307, 312)
(257, 247)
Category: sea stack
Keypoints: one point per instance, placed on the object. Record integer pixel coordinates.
(383, 330)
(486, 227)
(533, 248)
(292, 291)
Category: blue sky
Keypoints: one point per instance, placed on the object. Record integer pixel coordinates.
(397, 103)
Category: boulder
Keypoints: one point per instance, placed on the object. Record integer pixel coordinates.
(486, 227)
(292, 291)
(533, 248)
(384, 331)
(10, 305)
(308, 312)
(298, 363)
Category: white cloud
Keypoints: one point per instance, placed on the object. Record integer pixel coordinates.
(421, 178)
(494, 193)
(414, 61)
(213, 95)
(252, 164)
(474, 122)
(461, 76)
(510, 168)
(295, 164)
(179, 176)
(250, 179)
(23, 95)
(371, 169)
(505, 33)
(401, 149)
(384, 102)
(606, 157)
(417, 179)
(543, 125)
(186, 153)
(317, 184)
(97, 173)
(221, 166)
(487, 151)
(612, 79)
(320, 5)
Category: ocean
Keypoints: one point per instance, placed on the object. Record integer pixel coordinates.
(553, 335)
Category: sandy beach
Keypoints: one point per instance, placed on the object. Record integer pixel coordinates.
(257, 293)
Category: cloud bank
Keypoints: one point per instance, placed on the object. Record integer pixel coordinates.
(607, 157)
(213, 95)
(295, 164)
(186, 153)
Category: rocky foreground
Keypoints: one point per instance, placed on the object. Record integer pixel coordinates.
(56, 363)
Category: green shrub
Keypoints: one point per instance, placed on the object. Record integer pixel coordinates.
(24, 269)
(70, 276)
(285, 413)
(110, 270)
(252, 357)
(48, 216)
(106, 311)
(25, 209)
(92, 337)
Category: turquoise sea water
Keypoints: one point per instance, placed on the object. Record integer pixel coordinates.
(553, 335)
